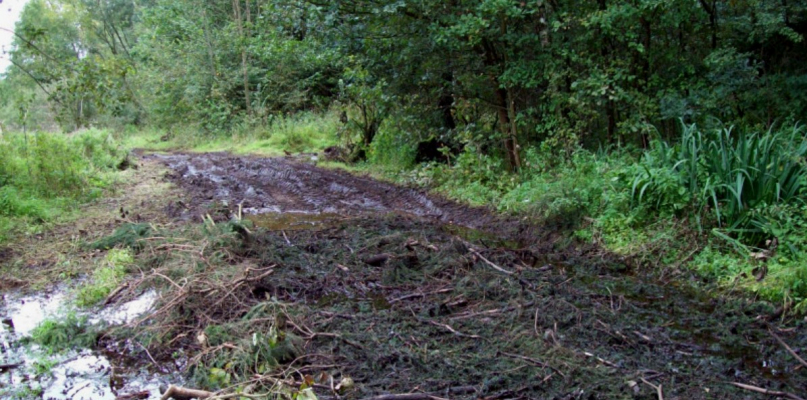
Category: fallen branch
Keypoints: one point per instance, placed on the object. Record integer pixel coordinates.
(789, 350)
(757, 389)
(658, 388)
(488, 262)
(181, 393)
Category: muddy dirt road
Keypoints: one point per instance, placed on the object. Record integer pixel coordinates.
(291, 186)
(393, 294)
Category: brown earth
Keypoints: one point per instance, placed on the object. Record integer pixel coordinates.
(217, 183)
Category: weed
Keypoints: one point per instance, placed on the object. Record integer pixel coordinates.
(127, 235)
(105, 278)
(68, 332)
(44, 175)
(44, 364)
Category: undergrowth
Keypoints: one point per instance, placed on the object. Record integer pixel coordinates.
(44, 175)
(106, 278)
(70, 331)
(737, 196)
(277, 135)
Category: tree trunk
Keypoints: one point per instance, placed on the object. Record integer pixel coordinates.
(507, 126)
(244, 62)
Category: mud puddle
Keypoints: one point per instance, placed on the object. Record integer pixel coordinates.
(78, 374)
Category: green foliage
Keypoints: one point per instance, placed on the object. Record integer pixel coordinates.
(725, 177)
(69, 332)
(104, 279)
(127, 235)
(43, 175)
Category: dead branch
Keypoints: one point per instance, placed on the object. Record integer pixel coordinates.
(488, 262)
(658, 388)
(757, 389)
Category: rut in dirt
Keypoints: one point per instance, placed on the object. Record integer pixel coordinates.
(288, 186)
(465, 313)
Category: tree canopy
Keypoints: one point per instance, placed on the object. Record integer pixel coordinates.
(555, 73)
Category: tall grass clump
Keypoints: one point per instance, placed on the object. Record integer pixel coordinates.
(42, 174)
(749, 190)
(727, 178)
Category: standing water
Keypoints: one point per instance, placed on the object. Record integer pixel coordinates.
(29, 371)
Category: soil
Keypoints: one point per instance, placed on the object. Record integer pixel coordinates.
(407, 292)
(217, 183)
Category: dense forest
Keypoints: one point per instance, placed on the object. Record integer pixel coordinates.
(624, 113)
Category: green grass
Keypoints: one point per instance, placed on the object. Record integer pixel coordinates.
(44, 175)
(301, 133)
(105, 278)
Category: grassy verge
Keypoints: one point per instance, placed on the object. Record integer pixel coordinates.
(730, 205)
(301, 133)
(43, 176)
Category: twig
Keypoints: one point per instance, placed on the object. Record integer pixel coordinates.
(604, 361)
(534, 361)
(488, 262)
(413, 295)
(790, 396)
(452, 330)
(159, 368)
(658, 388)
(789, 350)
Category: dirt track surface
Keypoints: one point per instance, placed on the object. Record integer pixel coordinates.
(466, 314)
(285, 185)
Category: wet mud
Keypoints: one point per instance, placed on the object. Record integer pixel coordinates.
(218, 183)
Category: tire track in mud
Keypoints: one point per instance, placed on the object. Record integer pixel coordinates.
(283, 185)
